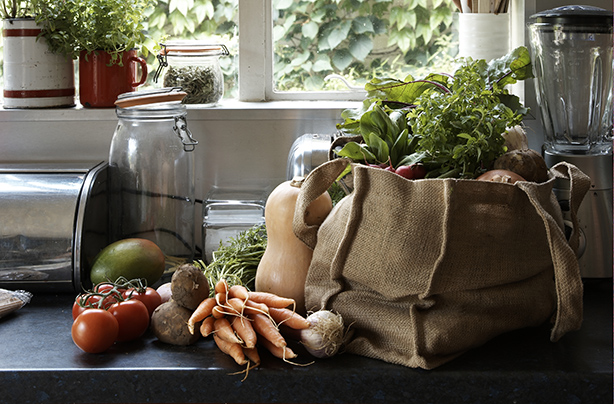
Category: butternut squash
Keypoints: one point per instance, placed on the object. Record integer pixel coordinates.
(286, 259)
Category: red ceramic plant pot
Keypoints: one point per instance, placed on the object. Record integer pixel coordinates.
(100, 82)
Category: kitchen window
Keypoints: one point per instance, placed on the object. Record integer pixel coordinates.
(328, 49)
(315, 50)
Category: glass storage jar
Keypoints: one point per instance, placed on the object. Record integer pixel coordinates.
(195, 67)
(151, 174)
(227, 213)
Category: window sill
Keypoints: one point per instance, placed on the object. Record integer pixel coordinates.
(226, 110)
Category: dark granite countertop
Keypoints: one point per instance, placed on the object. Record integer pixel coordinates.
(39, 363)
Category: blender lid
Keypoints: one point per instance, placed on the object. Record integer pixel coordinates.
(574, 15)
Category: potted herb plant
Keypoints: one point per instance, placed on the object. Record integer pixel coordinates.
(34, 77)
(105, 36)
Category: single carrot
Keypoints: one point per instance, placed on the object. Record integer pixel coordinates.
(255, 307)
(206, 327)
(265, 327)
(284, 353)
(271, 299)
(238, 291)
(243, 328)
(202, 311)
(236, 305)
(288, 317)
(221, 286)
(252, 355)
(218, 312)
(289, 333)
(223, 330)
(220, 298)
(231, 348)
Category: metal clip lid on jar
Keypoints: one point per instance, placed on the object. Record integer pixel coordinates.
(163, 103)
(195, 67)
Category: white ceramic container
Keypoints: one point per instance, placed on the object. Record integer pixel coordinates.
(34, 77)
(483, 35)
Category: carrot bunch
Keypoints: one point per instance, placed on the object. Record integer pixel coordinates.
(241, 320)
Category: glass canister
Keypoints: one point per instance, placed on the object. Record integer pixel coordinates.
(195, 67)
(151, 174)
(228, 212)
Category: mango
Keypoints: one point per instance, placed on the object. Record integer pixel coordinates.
(131, 258)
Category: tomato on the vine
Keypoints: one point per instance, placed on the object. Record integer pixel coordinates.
(95, 330)
(150, 297)
(106, 287)
(132, 317)
(83, 303)
(93, 300)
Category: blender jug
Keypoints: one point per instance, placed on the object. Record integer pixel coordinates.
(572, 59)
(572, 63)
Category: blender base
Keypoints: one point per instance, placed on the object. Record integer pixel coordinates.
(594, 214)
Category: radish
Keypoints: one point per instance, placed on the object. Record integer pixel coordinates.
(412, 171)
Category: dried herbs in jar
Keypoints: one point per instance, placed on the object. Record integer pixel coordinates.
(195, 68)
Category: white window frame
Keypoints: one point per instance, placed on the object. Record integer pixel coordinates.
(256, 69)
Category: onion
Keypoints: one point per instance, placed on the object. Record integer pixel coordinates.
(164, 291)
(505, 176)
(325, 334)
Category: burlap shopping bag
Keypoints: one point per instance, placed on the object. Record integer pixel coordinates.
(425, 270)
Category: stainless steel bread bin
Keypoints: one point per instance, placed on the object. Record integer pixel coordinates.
(53, 222)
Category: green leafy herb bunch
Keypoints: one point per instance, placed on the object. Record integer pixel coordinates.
(113, 26)
(452, 124)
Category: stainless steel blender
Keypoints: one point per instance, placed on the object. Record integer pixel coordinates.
(572, 63)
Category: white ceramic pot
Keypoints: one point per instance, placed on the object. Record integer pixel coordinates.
(483, 35)
(34, 77)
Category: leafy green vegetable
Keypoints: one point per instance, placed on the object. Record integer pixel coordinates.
(451, 124)
(237, 262)
(386, 137)
(336, 192)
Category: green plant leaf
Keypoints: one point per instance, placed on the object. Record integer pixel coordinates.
(425, 31)
(183, 6)
(342, 59)
(377, 146)
(361, 46)
(310, 29)
(322, 64)
(362, 25)
(399, 147)
(338, 34)
(314, 83)
(356, 152)
(282, 4)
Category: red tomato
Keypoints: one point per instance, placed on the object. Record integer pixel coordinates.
(151, 298)
(84, 302)
(95, 330)
(112, 297)
(132, 317)
(103, 287)
(78, 309)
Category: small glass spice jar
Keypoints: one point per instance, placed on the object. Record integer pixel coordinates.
(195, 67)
